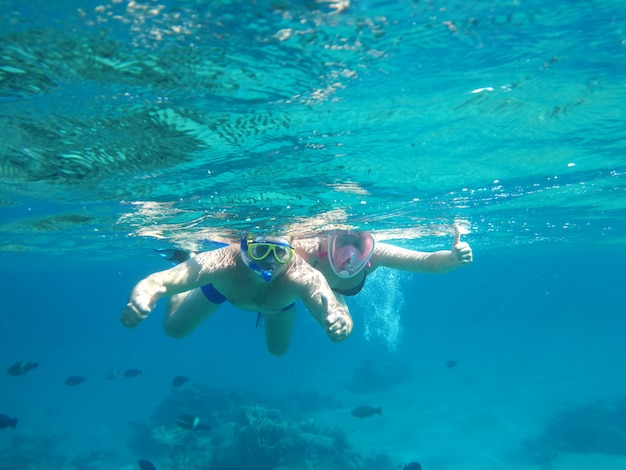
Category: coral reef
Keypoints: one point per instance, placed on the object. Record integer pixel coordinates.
(596, 427)
(94, 459)
(183, 449)
(244, 434)
(266, 439)
(32, 452)
(168, 435)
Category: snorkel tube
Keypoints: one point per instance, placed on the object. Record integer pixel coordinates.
(264, 273)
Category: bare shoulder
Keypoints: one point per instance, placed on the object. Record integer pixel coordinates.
(302, 273)
(307, 247)
(217, 259)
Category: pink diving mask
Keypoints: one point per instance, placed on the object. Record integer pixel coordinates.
(350, 252)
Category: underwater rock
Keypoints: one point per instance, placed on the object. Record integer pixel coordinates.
(93, 459)
(412, 466)
(29, 451)
(146, 465)
(244, 435)
(596, 427)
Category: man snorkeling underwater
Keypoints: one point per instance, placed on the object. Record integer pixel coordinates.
(262, 274)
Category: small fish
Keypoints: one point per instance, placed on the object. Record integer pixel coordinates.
(451, 364)
(131, 372)
(365, 411)
(179, 380)
(412, 466)
(20, 368)
(74, 380)
(6, 422)
(111, 375)
(146, 465)
(192, 423)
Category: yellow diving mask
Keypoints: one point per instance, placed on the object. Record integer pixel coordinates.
(259, 248)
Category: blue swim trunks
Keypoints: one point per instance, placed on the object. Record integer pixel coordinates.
(213, 294)
(216, 297)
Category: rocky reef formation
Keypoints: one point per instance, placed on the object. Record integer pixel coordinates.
(244, 434)
(596, 427)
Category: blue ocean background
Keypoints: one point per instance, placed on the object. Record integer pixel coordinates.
(127, 126)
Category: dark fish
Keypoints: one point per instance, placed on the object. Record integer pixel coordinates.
(6, 422)
(146, 465)
(412, 466)
(451, 364)
(20, 368)
(365, 411)
(131, 372)
(179, 380)
(192, 423)
(74, 380)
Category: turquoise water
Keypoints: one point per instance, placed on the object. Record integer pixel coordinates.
(128, 126)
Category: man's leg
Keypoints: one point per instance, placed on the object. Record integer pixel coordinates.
(186, 311)
(278, 330)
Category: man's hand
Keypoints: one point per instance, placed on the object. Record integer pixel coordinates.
(140, 304)
(338, 326)
(461, 251)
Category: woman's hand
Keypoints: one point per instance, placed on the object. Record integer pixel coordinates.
(461, 251)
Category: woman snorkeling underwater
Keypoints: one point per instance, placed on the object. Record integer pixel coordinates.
(346, 258)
